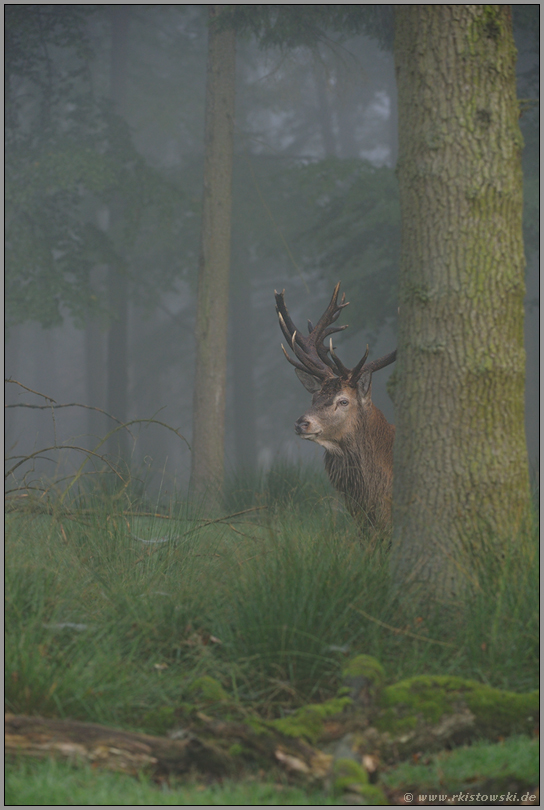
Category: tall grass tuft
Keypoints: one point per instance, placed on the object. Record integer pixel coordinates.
(115, 610)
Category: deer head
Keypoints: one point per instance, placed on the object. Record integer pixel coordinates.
(341, 406)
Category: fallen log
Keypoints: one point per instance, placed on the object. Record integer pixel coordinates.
(222, 750)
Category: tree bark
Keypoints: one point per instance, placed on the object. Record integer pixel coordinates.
(461, 484)
(117, 361)
(324, 113)
(213, 277)
(94, 379)
(243, 338)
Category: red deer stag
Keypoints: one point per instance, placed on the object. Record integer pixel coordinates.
(357, 438)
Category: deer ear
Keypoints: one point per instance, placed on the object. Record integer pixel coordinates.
(309, 382)
(364, 384)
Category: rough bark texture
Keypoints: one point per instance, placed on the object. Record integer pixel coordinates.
(213, 279)
(461, 471)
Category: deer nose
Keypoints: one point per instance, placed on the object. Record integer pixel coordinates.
(301, 425)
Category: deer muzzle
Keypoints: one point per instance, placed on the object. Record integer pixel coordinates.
(305, 429)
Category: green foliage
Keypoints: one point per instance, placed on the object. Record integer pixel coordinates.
(357, 232)
(293, 26)
(340, 215)
(69, 155)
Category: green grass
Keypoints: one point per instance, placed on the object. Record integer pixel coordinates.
(56, 783)
(514, 760)
(512, 765)
(103, 627)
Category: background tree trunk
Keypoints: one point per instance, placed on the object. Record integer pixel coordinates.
(94, 380)
(117, 361)
(208, 443)
(324, 113)
(461, 471)
(243, 337)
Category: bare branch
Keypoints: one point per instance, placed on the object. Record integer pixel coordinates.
(15, 382)
(37, 453)
(68, 405)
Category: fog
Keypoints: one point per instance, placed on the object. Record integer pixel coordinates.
(315, 133)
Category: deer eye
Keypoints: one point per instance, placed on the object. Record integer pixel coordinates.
(343, 402)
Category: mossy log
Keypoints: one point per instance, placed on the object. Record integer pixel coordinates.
(220, 749)
(424, 713)
(366, 724)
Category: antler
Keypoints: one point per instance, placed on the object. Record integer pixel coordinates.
(313, 353)
(310, 351)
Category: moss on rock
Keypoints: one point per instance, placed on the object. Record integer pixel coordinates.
(207, 690)
(348, 776)
(495, 711)
(307, 722)
(363, 679)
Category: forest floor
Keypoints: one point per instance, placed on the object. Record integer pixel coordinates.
(160, 620)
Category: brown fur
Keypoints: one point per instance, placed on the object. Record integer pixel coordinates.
(358, 444)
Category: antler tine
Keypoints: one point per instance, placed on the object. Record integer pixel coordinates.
(331, 313)
(310, 356)
(382, 362)
(344, 372)
(284, 329)
(283, 313)
(293, 362)
(332, 329)
(374, 365)
(357, 370)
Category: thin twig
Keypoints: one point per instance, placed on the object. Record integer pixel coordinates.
(234, 514)
(54, 423)
(243, 534)
(15, 382)
(399, 631)
(68, 405)
(198, 528)
(62, 447)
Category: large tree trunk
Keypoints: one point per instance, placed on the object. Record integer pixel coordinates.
(213, 278)
(117, 361)
(461, 472)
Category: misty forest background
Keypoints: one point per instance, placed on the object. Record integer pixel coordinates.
(104, 165)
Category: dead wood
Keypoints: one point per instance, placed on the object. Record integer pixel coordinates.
(222, 750)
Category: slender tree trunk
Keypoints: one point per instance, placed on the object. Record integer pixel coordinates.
(94, 379)
(213, 278)
(117, 361)
(324, 111)
(245, 430)
(393, 122)
(461, 472)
